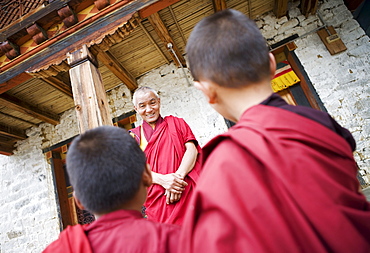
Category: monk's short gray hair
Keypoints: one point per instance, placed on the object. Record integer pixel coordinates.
(143, 89)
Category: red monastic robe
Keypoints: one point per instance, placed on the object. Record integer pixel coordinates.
(117, 232)
(277, 182)
(164, 152)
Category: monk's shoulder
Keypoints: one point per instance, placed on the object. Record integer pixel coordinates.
(172, 118)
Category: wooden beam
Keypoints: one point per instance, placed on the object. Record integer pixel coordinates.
(31, 18)
(88, 90)
(153, 8)
(10, 49)
(281, 8)
(6, 149)
(116, 67)
(177, 24)
(19, 119)
(12, 132)
(59, 85)
(154, 43)
(83, 32)
(15, 81)
(101, 4)
(219, 5)
(68, 15)
(37, 33)
(160, 28)
(308, 7)
(30, 110)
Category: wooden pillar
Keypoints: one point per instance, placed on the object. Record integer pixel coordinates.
(88, 90)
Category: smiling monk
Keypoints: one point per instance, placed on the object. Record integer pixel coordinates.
(171, 150)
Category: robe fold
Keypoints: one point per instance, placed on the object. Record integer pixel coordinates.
(118, 232)
(277, 182)
(164, 152)
(71, 240)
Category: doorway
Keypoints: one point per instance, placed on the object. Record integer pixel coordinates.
(68, 212)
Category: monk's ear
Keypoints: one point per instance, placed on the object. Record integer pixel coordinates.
(147, 176)
(272, 65)
(208, 90)
(78, 202)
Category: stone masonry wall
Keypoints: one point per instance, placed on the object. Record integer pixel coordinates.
(28, 211)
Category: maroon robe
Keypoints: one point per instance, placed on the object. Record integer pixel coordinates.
(277, 182)
(117, 232)
(164, 152)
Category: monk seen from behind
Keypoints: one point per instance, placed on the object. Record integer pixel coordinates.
(109, 175)
(283, 179)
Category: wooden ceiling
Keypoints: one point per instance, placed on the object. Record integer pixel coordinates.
(34, 82)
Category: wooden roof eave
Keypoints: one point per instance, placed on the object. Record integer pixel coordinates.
(89, 32)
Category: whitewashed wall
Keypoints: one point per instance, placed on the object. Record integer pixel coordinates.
(28, 211)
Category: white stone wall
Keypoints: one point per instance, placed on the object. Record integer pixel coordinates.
(28, 212)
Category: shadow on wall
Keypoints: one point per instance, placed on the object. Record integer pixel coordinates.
(362, 15)
(366, 192)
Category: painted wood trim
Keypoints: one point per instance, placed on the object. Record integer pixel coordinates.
(62, 44)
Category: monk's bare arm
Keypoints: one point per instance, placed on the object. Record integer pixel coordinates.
(188, 160)
(187, 164)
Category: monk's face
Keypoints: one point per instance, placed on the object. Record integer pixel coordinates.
(147, 106)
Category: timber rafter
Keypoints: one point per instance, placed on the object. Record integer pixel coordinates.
(165, 36)
(18, 119)
(6, 148)
(115, 67)
(30, 110)
(219, 5)
(12, 132)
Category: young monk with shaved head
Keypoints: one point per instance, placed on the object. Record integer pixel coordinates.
(283, 179)
(110, 177)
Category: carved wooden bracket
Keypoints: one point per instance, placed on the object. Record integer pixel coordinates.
(81, 55)
(37, 33)
(11, 50)
(68, 16)
(101, 4)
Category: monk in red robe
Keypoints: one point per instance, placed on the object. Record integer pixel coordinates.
(283, 179)
(109, 174)
(171, 150)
